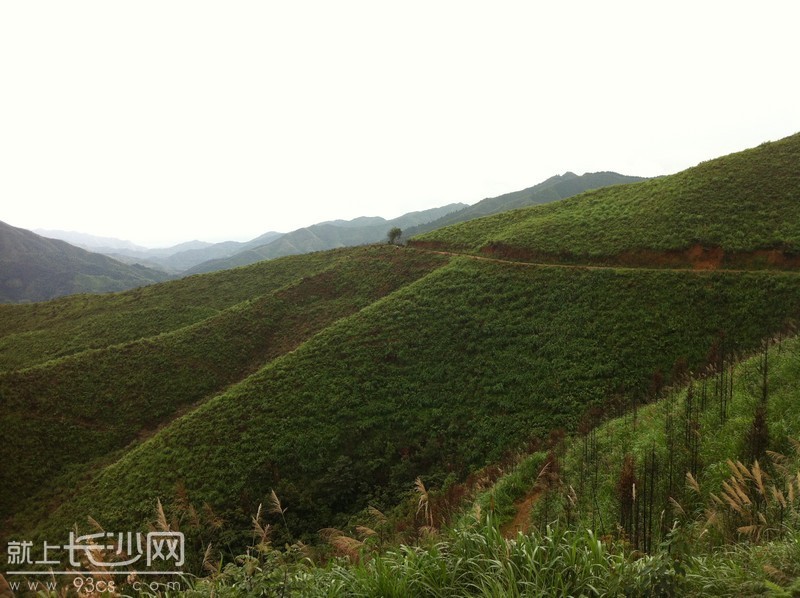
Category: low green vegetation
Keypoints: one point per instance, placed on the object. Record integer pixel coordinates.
(34, 333)
(438, 378)
(720, 453)
(730, 529)
(67, 413)
(741, 203)
(493, 408)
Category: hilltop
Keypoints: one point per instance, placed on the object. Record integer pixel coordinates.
(736, 210)
(341, 233)
(555, 188)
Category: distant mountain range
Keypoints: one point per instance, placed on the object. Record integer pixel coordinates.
(34, 268)
(196, 256)
(174, 260)
(326, 235)
(183, 257)
(90, 242)
(37, 268)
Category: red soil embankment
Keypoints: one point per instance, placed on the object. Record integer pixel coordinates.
(697, 257)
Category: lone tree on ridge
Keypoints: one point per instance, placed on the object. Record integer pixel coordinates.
(394, 234)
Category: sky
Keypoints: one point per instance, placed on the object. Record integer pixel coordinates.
(165, 121)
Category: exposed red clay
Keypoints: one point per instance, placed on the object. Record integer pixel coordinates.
(522, 516)
(697, 257)
(434, 246)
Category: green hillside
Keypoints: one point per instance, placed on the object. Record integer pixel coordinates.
(573, 519)
(37, 332)
(97, 401)
(553, 189)
(696, 429)
(715, 463)
(336, 379)
(735, 210)
(34, 268)
(436, 379)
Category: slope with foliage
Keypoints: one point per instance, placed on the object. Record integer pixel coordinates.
(34, 333)
(33, 268)
(744, 203)
(95, 402)
(461, 361)
(436, 379)
(710, 473)
(553, 189)
(734, 532)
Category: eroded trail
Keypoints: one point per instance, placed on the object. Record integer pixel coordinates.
(522, 519)
(528, 264)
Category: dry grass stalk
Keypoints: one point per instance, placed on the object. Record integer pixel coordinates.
(161, 519)
(424, 501)
(795, 445)
(692, 482)
(476, 511)
(572, 497)
(194, 518)
(347, 546)
(677, 506)
(379, 517)
(343, 544)
(275, 504)
(216, 521)
(756, 505)
(93, 522)
(208, 564)
(778, 460)
(540, 477)
(759, 476)
(365, 532)
(775, 573)
(260, 532)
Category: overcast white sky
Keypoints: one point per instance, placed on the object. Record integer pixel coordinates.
(165, 121)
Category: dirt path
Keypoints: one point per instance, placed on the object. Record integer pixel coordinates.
(525, 264)
(522, 519)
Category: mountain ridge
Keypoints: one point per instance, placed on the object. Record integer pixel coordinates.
(325, 235)
(35, 268)
(551, 189)
(685, 218)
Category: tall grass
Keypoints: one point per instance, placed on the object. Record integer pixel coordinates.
(473, 559)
